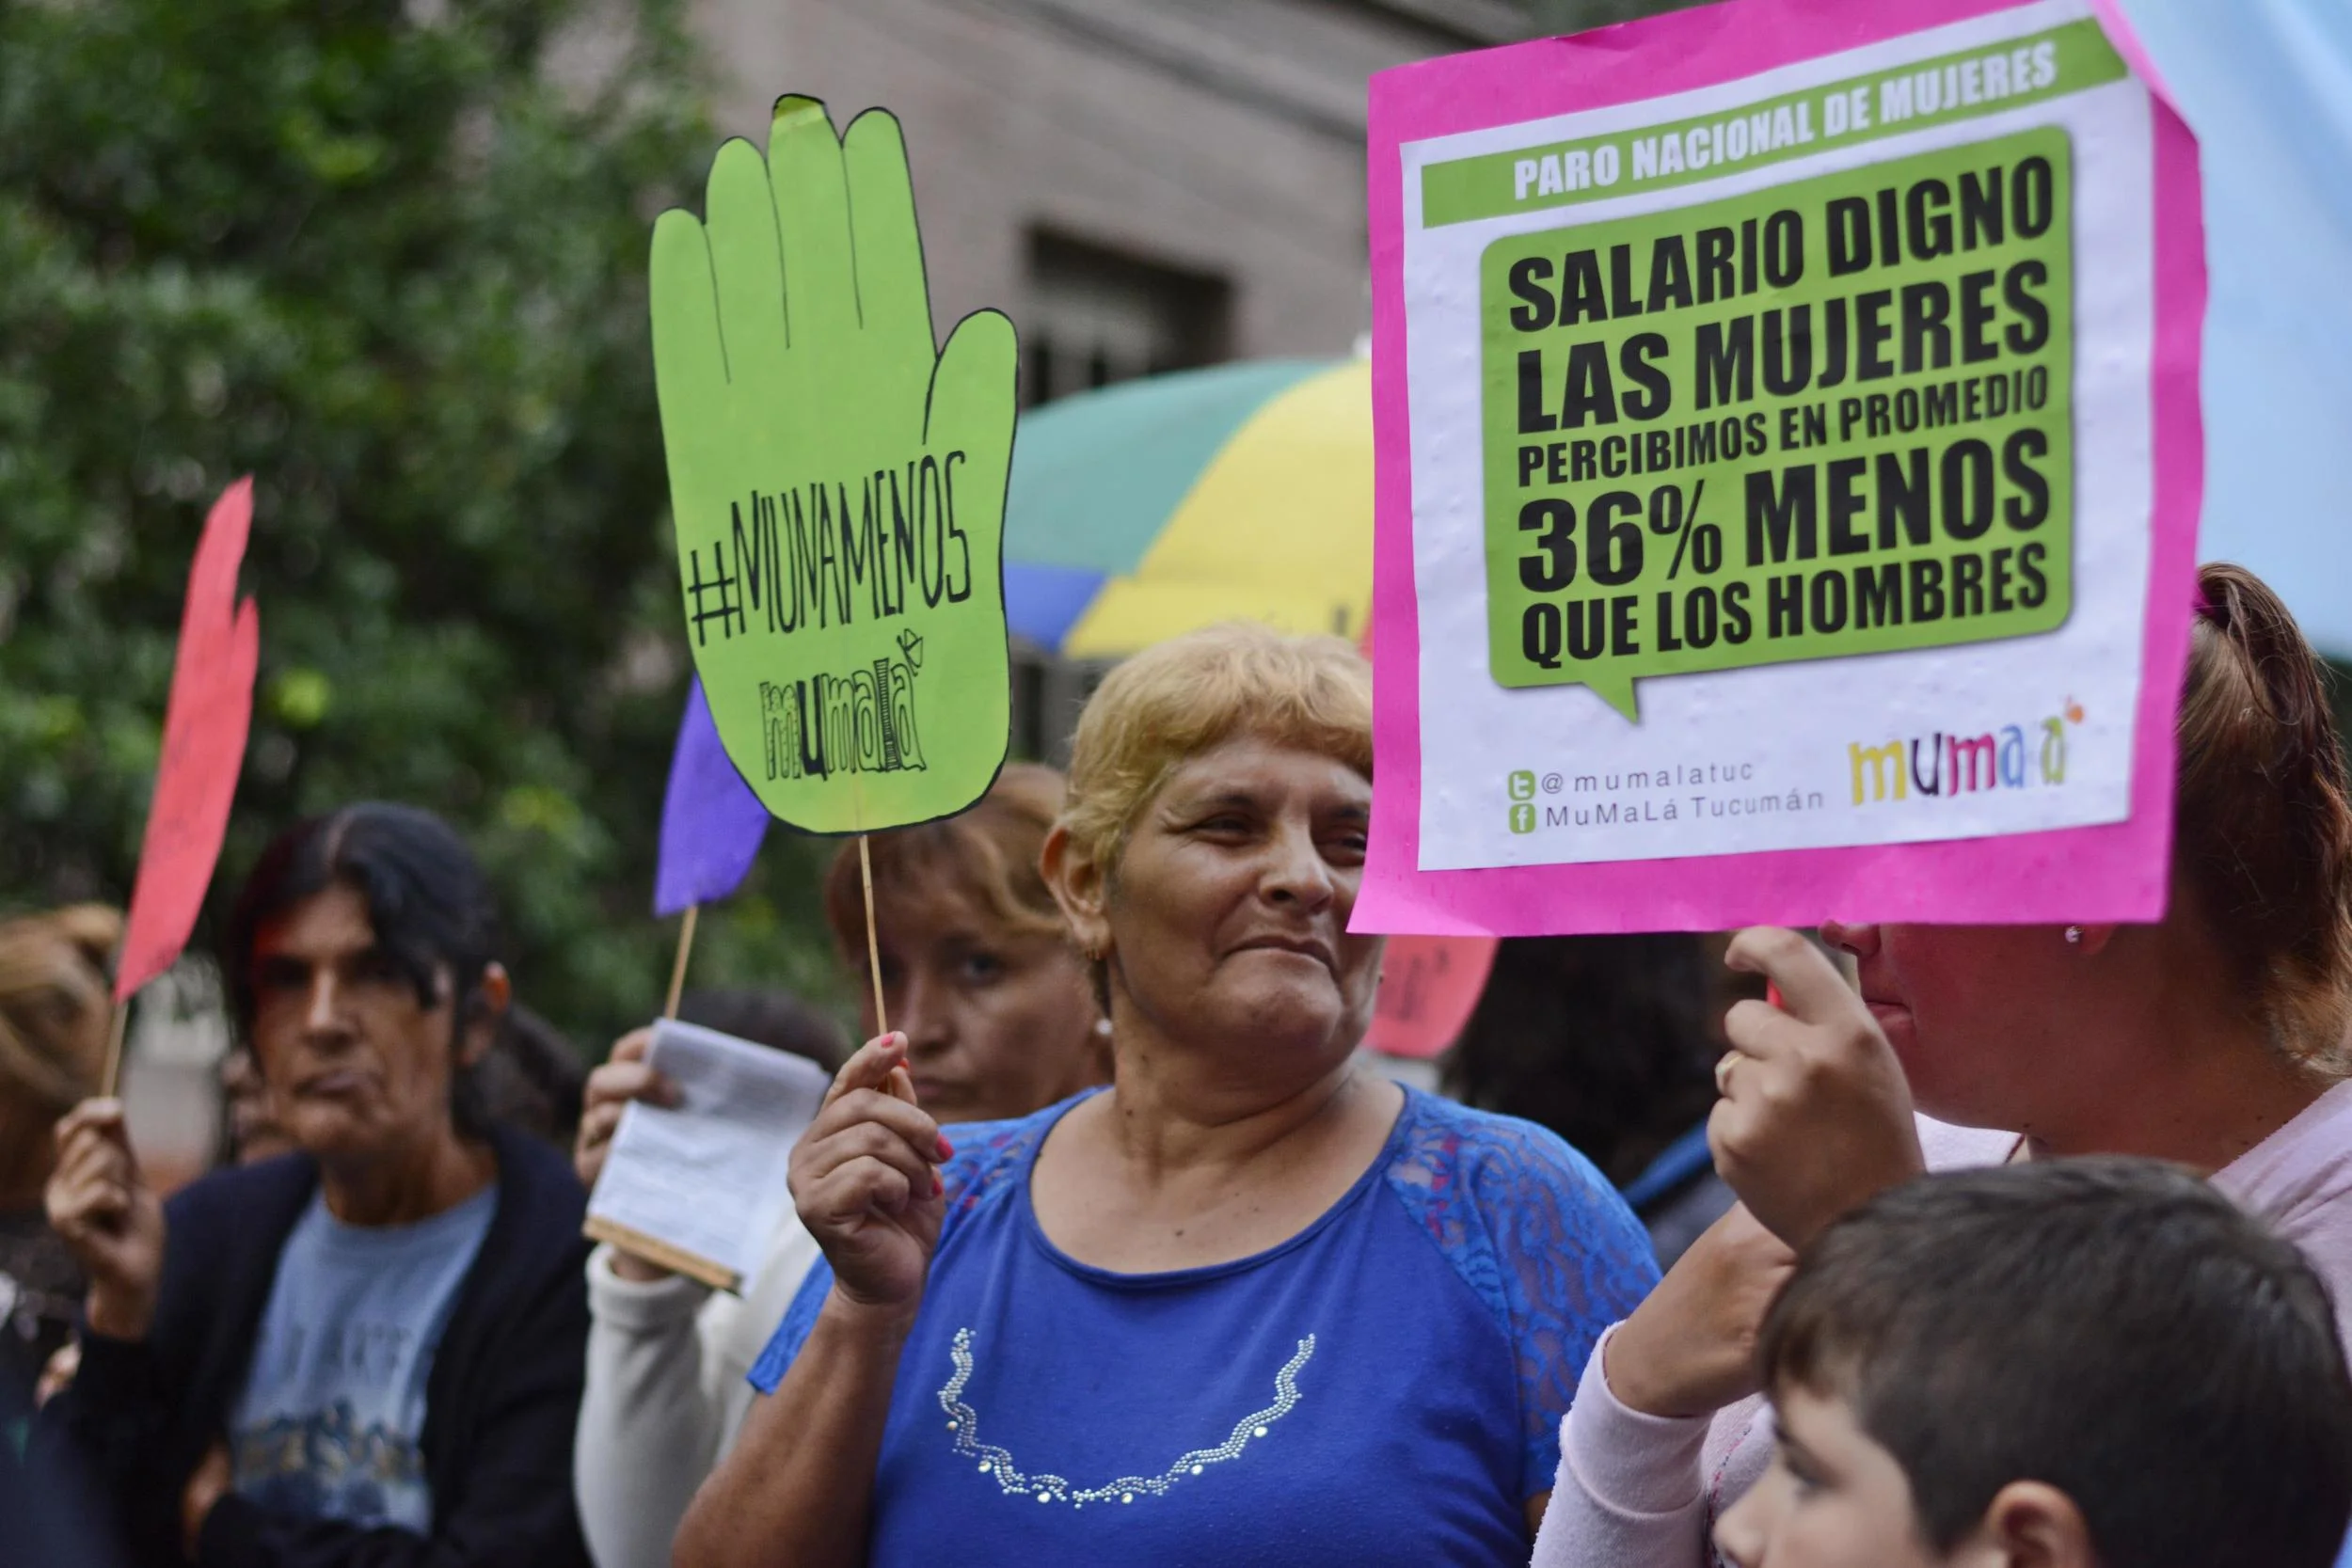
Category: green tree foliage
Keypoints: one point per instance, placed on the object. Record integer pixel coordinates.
(391, 261)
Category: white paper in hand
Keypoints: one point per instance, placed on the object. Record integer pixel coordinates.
(706, 1180)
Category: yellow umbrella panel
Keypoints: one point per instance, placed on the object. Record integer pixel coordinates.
(1273, 522)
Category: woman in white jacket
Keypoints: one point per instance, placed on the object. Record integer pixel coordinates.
(1000, 1020)
(2219, 1037)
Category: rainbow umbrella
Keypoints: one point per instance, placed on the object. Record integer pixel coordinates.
(1154, 508)
(1158, 506)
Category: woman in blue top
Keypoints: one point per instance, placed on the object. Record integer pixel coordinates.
(1247, 1306)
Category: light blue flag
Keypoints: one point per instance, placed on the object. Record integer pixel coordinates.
(2267, 85)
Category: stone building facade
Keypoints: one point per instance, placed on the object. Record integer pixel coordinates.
(1142, 184)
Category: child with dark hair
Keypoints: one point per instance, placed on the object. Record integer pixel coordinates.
(2096, 1363)
(367, 1351)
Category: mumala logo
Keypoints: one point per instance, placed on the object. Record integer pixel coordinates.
(1942, 766)
(862, 721)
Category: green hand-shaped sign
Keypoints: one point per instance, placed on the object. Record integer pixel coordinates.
(838, 487)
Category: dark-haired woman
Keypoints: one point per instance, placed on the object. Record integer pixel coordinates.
(368, 1351)
(2214, 1038)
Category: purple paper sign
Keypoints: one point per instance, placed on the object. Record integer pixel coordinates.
(711, 822)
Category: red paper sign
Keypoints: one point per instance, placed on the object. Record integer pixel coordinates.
(204, 733)
(1429, 986)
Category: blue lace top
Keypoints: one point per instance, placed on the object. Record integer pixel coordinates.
(1385, 1387)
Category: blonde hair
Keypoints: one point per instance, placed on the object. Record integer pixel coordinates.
(989, 852)
(1179, 698)
(54, 1004)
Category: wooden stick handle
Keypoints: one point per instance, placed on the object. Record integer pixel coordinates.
(873, 944)
(677, 967)
(660, 1253)
(110, 1076)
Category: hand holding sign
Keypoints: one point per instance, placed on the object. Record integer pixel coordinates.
(102, 1208)
(838, 487)
(866, 1179)
(1816, 1115)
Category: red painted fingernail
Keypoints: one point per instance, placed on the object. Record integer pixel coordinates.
(939, 1188)
(946, 1149)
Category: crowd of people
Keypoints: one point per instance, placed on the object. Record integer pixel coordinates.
(1996, 1245)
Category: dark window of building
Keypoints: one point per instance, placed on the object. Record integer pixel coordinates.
(1098, 315)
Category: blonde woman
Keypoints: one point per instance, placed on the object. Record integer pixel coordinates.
(1245, 1305)
(981, 980)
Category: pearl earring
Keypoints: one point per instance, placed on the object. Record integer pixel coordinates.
(2073, 933)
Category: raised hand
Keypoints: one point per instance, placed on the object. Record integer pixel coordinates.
(837, 484)
(1689, 1348)
(1816, 1115)
(866, 1179)
(108, 1217)
(625, 1076)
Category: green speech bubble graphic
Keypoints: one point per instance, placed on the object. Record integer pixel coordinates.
(836, 481)
(1827, 418)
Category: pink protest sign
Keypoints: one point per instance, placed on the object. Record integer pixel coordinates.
(1788, 460)
(205, 723)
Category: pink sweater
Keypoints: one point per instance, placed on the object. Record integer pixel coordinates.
(1638, 1491)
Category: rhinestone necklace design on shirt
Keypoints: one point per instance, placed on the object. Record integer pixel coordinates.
(966, 1423)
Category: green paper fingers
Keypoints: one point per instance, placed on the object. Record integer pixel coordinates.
(838, 488)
